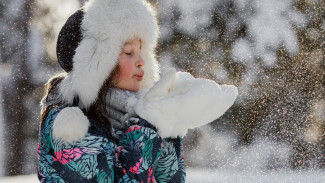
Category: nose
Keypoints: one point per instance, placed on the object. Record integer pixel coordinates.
(140, 61)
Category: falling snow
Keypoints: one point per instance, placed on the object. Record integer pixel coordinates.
(269, 49)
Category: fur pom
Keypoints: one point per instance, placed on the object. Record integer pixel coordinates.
(70, 125)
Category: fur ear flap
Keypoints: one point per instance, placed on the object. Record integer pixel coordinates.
(70, 125)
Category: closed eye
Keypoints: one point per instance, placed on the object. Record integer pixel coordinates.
(128, 54)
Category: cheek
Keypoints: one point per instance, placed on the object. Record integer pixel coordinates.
(126, 69)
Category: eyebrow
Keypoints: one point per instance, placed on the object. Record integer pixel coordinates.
(129, 43)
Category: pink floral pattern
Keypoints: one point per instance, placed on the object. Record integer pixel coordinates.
(69, 155)
(135, 169)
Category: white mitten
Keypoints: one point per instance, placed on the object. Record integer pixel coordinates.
(178, 102)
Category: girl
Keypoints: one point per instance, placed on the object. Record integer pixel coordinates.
(95, 127)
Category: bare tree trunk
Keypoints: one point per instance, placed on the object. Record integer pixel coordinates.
(82, 2)
(17, 85)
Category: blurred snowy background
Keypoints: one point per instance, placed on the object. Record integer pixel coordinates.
(271, 49)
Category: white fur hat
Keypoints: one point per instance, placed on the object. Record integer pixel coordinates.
(105, 26)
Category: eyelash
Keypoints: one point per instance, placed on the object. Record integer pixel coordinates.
(128, 54)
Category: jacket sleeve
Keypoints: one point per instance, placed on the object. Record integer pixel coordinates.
(45, 171)
(138, 153)
(88, 160)
(170, 167)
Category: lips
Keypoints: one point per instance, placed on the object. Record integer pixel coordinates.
(140, 76)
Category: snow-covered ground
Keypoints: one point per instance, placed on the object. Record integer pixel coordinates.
(20, 179)
(216, 176)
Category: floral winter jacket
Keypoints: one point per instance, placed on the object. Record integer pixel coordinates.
(139, 156)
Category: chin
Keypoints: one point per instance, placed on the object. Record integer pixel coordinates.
(130, 86)
(134, 89)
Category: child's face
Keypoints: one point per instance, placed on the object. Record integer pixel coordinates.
(130, 66)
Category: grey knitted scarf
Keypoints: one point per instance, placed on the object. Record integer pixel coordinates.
(120, 107)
